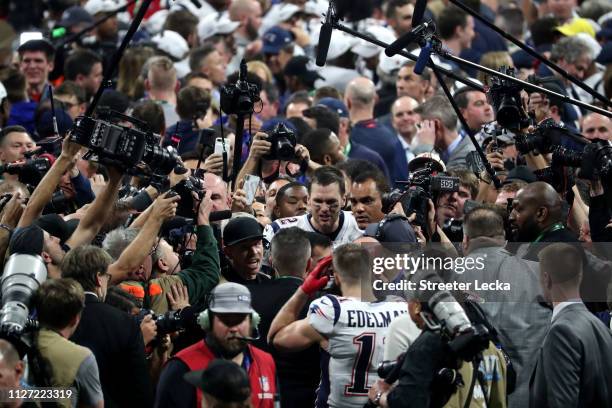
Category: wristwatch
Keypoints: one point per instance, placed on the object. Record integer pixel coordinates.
(377, 398)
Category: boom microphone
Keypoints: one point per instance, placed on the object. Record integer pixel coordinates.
(325, 37)
(408, 38)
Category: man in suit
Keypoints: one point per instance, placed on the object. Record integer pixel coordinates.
(575, 361)
(112, 335)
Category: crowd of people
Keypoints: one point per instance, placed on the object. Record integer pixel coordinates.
(186, 278)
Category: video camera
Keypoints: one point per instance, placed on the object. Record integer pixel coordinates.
(283, 142)
(505, 98)
(123, 146)
(424, 184)
(595, 161)
(31, 170)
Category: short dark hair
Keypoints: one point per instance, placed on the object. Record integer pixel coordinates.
(326, 92)
(353, 167)
(10, 129)
(543, 30)
(194, 74)
(483, 222)
(192, 102)
(392, 5)
(318, 240)
(290, 251)
(325, 117)
(152, 113)
(84, 263)
(198, 54)
(58, 302)
(379, 179)
(449, 19)
(468, 179)
(80, 62)
(280, 195)
(300, 97)
(327, 175)
(182, 22)
(71, 88)
(38, 45)
(318, 143)
(15, 84)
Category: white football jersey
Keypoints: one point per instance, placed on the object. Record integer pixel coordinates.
(348, 230)
(356, 333)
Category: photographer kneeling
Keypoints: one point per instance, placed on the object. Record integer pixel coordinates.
(436, 369)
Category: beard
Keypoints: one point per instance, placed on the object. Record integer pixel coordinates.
(527, 232)
(226, 348)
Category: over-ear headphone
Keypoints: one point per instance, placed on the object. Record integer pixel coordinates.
(205, 320)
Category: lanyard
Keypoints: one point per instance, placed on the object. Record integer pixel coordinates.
(556, 227)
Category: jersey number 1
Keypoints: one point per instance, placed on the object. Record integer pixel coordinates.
(359, 381)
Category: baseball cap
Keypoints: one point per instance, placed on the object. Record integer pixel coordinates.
(155, 23)
(75, 15)
(279, 13)
(172, 43)
(335, 105)
(241, 229)
(520, 173)
(56, 226)
(394, 228)
(214, 24)
(41, 44)
(275, 39)
(340, 43)
(389, 65)
(577, 25)
(302, 67)
(605, 56)
(94, 7)
(605, 33)
(369, 50)
(222, 379)
(421, 159)
(27, 240)
(230, 297)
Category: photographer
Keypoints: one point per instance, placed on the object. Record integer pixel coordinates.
(192, 103)
(59, 304)
(420, 382)
(135, 276)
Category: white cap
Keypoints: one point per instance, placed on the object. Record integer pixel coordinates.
(214, 24)
(279, 13)
(172, 43)
(3, 93)
(339, 44)
(94, 7)
(389, 64)
(315, 7)
(369, 50)
(155, 23)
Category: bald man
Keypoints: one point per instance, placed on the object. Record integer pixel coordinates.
(12, 369)
(537, 215)
(596, 126)
(360, 97)
(575, 361)
(404, 120)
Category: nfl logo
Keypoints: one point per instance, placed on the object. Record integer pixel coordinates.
(265, 385)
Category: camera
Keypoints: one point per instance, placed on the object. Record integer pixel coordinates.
(23, 274)
(123, 146)
(505, 97)
(283, 142)
(239, 98)
(171, 321)
(595, 161)
(546, 137)
(184, 189)
(30, 171)
(423, 185)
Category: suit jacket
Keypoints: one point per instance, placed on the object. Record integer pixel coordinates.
(115, 339)
(457, 156)
(574, 364)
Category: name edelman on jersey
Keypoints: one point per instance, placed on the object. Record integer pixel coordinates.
(360, 318)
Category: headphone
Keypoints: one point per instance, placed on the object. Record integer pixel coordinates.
(205, 318)
(379, 235)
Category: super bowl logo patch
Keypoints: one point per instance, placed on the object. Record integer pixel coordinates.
(265, 384)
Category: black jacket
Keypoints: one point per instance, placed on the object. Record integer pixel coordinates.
(115, 339)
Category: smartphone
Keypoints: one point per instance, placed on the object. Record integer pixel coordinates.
(29, 35)
(251, 183)
(218, 146)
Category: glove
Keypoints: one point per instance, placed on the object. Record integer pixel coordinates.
(317, 278)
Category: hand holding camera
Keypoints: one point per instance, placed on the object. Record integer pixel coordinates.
(260, 146)
(204, 209)
(164, 207)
